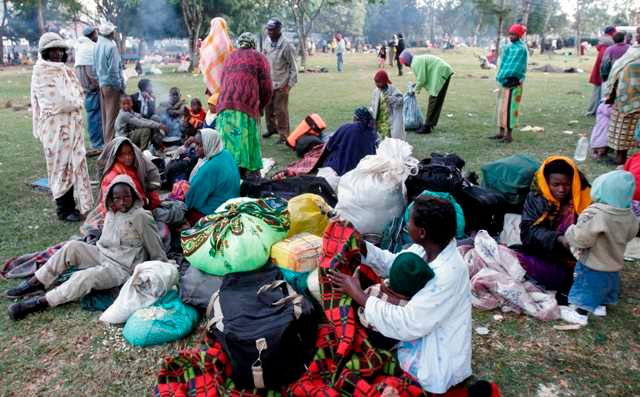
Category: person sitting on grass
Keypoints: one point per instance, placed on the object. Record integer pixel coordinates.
(195, 115)
(215, 178)
(139, 130)
(600, 238)
(559, 194)
(143, 101)
(172, 113)
(435, 325)
(129, 237)
(351, 142)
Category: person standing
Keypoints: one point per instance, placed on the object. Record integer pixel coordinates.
(215, 48)
(341, 48)
(108, 66)
(56, 100)
(511, 75)
(387, 103)
(433, 74)
(612, 54)
(245, 92)
(284, 75)
(89, 81)
(399, 48)
(605, 41)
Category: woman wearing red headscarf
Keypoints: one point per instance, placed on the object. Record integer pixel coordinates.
(386, 107)
(513, 68)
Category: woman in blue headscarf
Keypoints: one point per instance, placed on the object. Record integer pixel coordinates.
(351, 142)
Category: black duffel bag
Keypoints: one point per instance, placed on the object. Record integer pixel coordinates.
(483, 208)
(440, 173)
(266, 328)
(289, 187)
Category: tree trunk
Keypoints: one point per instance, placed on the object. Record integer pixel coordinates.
(526, 12)
(40, 16)
(193, 11)
(302, 37)
(1, 50)
(578, 21)
(499, 36)
(476, 31)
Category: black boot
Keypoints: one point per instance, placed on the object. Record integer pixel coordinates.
(25, 288)
(69, 211)
(19, 310)
(60, 208)
(425, 129)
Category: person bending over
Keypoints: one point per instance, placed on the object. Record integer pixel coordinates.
(129, 237)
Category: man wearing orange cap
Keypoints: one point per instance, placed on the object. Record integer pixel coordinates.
(511, 75)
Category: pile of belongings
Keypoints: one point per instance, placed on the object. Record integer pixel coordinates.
(241, 356)
(498, 281)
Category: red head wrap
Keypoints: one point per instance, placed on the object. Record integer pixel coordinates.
(518, 30)
(381, 77)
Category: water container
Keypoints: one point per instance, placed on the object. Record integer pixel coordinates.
(582, 149)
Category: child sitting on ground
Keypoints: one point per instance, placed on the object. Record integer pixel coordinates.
(195, 115)
(598, 241)
(139, 130)
(129, 237)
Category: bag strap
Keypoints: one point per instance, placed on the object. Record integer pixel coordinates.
(256, 367)
(215, 308)
(292, 296)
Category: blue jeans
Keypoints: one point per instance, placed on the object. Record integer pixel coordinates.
(94, 118)
(340, 59)
(592, 288)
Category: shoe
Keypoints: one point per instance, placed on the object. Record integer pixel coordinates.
(269, 133)
(73, 217)
(425, 130)
(601, 311)
(496, 137)
(19, 310)
(570, 315)
(94, 152)
(25, 288)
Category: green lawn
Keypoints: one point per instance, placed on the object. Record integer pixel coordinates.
(66, 351)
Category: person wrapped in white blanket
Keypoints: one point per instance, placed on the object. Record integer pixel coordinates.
(434, 328)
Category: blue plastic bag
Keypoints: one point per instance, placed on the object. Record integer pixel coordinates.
(411, 111)
(165, 321)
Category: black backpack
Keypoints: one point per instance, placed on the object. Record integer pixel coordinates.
(440, 173)
(483, 208)
(266, 328)
(289, 187)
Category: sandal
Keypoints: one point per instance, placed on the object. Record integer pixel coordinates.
(496, 137)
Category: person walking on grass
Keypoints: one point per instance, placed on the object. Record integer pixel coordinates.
(341, 48)
(399, 48)
(108, 66)
(56, 103)
(511, 75)
(85, 72)
(433, 74)
(284, 75)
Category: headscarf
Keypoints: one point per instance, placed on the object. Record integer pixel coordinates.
(580, 189)
(247, 41)
(215, 48)
(610, 30)
(211, 142)
(88, 31)
(364, 117)
(406, 57)
(213, 99)
(381, 77)
(518, 30)
(106, 28)
(614, 188)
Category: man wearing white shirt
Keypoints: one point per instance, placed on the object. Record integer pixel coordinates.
(89, 80)
(434, 328)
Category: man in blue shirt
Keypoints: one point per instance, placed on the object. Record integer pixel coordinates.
(108, 65)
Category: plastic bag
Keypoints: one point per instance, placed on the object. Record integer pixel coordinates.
(411, 111)
(308, 213)
(150, 281)
(330, 175)
(166, 321)
(372, 194)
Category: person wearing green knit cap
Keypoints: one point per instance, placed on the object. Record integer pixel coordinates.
(409, 274)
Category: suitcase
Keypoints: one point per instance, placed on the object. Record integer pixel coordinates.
(483, 208)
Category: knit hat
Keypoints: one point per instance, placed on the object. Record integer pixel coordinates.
(610, 30)
(213, 98)
(409, 274)
(247, 40)
(406, 57)
(88, 31)
(274, 24)
(51, 40)
(614, 188)
(518, 30)
(106, 28)
(381, 77)
(364, 116)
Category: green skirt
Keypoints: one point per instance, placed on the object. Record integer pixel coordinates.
(241, 136)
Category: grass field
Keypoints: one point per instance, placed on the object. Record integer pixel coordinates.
(66, 351)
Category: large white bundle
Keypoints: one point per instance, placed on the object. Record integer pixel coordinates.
(148, 283)
(373, 193)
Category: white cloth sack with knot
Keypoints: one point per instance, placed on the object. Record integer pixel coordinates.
(373, 193)
(148, 283)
